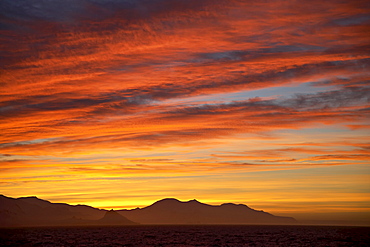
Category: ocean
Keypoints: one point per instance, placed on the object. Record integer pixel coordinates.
(196, 235)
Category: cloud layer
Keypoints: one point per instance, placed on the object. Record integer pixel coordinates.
(107, 89)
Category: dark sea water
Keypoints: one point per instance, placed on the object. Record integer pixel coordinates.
(187, 236)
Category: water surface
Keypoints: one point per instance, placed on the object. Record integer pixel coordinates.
(187, 236)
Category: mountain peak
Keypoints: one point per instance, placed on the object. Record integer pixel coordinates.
(173, 201)
(29, 197)
(177, 200)
(35, 200)
(194, 200)
(112, 217)
(111, 213)
(167, 201)
(233, 205)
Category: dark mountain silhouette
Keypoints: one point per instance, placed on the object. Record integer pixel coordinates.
(32, 211)
(113, 218)
(173, 211)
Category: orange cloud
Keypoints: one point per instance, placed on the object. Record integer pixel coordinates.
(105, 90)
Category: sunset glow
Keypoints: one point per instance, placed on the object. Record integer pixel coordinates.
(117, 104)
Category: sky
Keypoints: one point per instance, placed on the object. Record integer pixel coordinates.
(120, 103)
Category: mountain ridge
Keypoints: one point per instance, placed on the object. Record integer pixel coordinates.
(33, 211)
(173, 211)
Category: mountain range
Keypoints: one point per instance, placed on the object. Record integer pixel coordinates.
(173, 211)
(32, 211)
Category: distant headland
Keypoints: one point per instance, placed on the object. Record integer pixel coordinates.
(32, 211)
